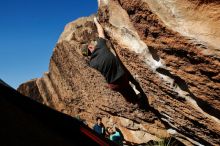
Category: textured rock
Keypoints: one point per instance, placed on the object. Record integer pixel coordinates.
(30, 89)
(176, 66)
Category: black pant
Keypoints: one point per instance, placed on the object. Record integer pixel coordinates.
(129, 94)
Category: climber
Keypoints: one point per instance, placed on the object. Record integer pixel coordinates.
(102, 59)
(99, 127)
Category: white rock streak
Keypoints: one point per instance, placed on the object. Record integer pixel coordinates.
(127, 37)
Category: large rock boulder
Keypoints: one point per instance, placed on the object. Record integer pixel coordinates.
(171, 48)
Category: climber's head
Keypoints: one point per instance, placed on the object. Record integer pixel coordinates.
(91, 46)
(88, 49)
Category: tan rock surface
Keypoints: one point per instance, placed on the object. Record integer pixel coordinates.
(182, 82)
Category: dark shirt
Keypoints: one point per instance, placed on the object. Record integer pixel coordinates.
(106, 62)
(99, 129)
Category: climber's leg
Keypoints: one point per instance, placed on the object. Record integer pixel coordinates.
(129, 94)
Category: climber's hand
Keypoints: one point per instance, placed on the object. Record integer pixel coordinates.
(95, 20)
(99, 2)
(99, 28)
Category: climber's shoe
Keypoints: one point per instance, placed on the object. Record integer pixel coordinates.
(142, 101)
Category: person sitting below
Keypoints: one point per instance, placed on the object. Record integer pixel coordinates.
(114, 135)
(99, 127)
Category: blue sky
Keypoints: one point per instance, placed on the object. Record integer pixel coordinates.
(29, 30)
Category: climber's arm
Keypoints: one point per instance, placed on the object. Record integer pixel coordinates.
(99, 28)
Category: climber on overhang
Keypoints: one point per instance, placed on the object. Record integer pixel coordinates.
(103, 60)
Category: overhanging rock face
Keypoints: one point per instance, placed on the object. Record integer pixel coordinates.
(179, 72)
